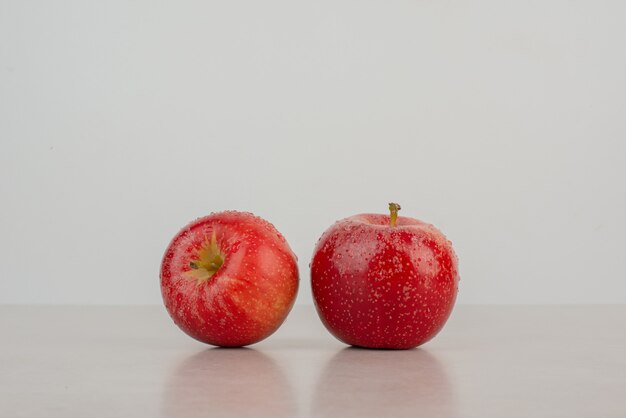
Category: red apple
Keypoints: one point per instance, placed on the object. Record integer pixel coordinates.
(229, 279)
(383, 281)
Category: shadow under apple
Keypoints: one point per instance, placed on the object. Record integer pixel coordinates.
(238, 382)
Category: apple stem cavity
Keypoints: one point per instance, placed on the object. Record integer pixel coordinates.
(393, 211)
(207, 262)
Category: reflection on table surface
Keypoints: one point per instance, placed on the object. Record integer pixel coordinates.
(494, 361)
(360, 382)
(348, 382)
(242, 382)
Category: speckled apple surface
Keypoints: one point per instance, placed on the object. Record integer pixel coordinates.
(229, 279)
(382, 286)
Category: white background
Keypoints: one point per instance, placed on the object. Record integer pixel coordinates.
(503, 123)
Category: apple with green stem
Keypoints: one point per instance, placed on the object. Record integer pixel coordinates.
(229, 279)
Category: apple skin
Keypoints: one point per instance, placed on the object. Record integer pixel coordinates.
(381, 286)
(247, 297)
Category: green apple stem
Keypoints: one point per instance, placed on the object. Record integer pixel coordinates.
(207, 261)
(393, 210)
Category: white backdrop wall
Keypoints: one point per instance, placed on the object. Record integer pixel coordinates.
(501, 122)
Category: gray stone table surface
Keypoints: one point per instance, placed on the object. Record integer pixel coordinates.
(489, 361)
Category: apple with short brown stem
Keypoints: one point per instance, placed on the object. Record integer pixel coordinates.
(384, 281)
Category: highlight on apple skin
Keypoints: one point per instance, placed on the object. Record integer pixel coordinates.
(229, 279)
(384, 281)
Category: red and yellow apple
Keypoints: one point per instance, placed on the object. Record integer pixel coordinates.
(384, 281)
(229, 279)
